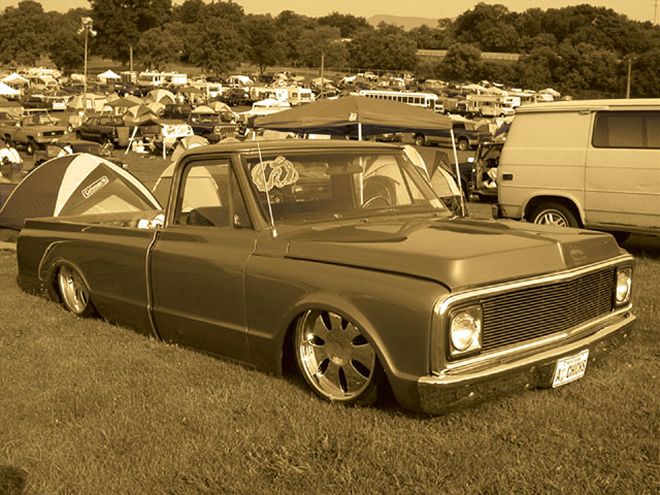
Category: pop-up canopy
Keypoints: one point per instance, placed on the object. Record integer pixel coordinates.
(355, 115)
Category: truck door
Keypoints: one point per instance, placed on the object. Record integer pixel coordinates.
(198, 263)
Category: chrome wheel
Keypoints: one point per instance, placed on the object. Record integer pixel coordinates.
(74, 292)
(334, 357)
(551, 217)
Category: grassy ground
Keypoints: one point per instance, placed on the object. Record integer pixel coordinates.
(87, 407)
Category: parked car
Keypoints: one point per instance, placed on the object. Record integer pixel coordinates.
(464, 137)
(235, 97)
(215, 126)
(593, 164)
(113, 130)
(70, 145)
(338, 259)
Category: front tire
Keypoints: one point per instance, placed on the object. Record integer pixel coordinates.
(463, 144)
(73, 292)
(551, 213)
(420, 140)
(335, 359)
(30, 147)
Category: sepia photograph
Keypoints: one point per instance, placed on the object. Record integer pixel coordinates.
(351, 247)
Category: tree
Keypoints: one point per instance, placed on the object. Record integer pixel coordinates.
(119, 24)
(324, 40)
(462, 63)
(646, 75)
(263, 47)
(190, 11)
(21, 33)
(535, 69)
(218, 43)
(67, 49)
(290, 27)
(388, 48)
(347, 24)
(160, 45)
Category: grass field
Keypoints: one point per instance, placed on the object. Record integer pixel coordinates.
(88, 408)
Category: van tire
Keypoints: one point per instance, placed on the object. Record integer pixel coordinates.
(463, 144)
(420, 140)
(552, 213)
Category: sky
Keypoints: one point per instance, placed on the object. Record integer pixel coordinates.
(640, 10)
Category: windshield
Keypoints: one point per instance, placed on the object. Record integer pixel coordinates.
(325, 186)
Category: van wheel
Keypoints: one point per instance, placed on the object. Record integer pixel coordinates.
(420, 140)
(556, 214)
(463, 144)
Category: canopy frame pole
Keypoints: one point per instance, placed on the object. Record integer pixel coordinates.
(458, 170)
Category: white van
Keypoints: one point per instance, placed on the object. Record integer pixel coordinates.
(591, 163)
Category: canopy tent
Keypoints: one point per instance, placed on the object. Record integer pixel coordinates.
(220, 106)
(79, 184)
(357, 115)
(140, 115)
(15, 79)
(161, 96)
(88, 101)
(123, 102)
(108, 75)
(6, 90)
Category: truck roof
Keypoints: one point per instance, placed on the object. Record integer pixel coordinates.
(290, 145)
(591, 105)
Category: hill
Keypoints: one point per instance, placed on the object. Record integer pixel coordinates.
(407, 23)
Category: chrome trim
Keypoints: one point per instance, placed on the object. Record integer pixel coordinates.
(533, 344)
(150, 294)
(439, 361)
(442, 305)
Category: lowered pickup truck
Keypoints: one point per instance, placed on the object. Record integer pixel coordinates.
(32, 131)
(336, 258)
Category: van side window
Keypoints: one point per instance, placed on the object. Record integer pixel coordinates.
(627, 130)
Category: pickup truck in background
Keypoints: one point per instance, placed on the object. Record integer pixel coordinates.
(465, 138)
(113, 130)
(32, 131)
(213, 127)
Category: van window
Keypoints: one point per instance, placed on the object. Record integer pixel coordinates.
(627, 130)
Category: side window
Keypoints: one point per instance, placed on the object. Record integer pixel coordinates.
(627, 130)
(209, 196)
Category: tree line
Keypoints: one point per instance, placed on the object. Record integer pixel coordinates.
(579, 49)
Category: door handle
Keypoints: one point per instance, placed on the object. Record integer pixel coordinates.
(507, 176)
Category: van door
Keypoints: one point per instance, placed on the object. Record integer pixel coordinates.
(622, 179)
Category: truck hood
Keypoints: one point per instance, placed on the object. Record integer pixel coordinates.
(458, 253)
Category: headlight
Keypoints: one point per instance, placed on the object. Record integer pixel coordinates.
(465, 330)
(623, 285)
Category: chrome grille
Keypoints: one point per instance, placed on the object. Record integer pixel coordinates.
(534, 312)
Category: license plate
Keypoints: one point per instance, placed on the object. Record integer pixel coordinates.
(570, 368)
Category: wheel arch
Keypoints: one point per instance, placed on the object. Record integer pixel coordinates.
(568, 201)
(335, 304)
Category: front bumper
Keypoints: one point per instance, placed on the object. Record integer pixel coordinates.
(439, 394)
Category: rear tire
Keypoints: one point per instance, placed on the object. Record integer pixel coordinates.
(552, 213)
(463, 144)
(420, 140)
(30, 147)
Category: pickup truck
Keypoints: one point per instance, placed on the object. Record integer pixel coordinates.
(464, 137)
(32, 131)
(108, 129)
(214, 127)
(337, 261)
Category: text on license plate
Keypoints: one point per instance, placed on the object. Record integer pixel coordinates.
(570, 368)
